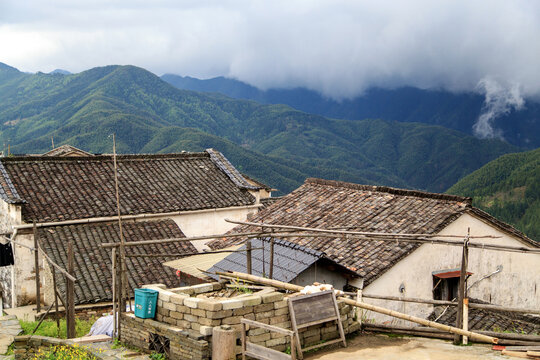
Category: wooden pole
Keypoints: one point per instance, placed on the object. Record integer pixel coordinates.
(248, 256)
(358, 311)
(288, 286)
(123, 274)
(113, 272)
(465, 319)
(271, 271)
(462, 288)
(56, 315)
(70, 292)
(36, 267)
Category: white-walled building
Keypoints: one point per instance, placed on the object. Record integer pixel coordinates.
(73, 198)
(406, 269)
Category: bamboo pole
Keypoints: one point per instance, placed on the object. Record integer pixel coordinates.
(450, 303)
(416, 238)
(36, 267)
(345, 232)
(58, 267)
(291, 287)
(191, 254)
(123, 269)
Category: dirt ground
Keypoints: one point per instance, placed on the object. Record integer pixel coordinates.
(382, 347)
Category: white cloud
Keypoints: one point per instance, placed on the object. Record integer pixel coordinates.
(337, 47)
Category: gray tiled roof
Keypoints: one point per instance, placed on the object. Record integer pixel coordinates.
(490, 320)
(290, 259)
(66, 188)
(93, 263)
(331, 204)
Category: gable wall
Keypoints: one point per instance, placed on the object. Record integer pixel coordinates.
(517, 285)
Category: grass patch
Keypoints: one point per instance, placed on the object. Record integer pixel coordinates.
(48, 327)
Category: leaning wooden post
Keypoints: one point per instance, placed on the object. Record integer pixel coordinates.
(70, 291)
(461, 293)
(248, 255)
(36, 267)
(271, 274)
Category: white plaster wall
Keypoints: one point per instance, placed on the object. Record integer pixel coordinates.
(517, 285)
(211, 222)
(22, 274)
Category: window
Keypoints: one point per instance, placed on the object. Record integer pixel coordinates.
(446, 284)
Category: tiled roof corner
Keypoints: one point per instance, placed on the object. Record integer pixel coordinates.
(221, 162)
(8, 193)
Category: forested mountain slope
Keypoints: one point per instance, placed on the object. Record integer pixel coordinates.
(273, 143)
(458, 111)
(509, 189)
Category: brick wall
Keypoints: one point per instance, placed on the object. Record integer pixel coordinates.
(186, 309)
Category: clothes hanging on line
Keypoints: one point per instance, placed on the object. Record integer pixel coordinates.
(6, 255)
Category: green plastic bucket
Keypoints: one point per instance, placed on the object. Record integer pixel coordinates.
(145, 303)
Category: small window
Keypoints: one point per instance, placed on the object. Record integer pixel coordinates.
(446, 284)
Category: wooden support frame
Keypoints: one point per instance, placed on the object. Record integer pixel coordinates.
(313, 309)
(261, 352)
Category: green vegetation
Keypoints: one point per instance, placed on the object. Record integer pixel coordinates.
(64, 352)
(509, 189)
(48, 327)
(272, 143)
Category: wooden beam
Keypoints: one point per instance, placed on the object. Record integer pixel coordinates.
(288, 286)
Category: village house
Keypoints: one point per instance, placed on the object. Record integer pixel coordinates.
(408, 269)
(291, 263)
(70, 196)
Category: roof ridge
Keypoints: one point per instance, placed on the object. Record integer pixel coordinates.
(389, 190)
(101, 157)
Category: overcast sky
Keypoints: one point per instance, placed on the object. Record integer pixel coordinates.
(337, 47)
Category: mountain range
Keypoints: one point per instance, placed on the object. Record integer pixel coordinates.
(276, 144)
(509, 189)
(458, 111)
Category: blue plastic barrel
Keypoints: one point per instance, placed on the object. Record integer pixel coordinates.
(145, 303)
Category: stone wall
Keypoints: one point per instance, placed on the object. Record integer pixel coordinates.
(183, 344)
(187, 310)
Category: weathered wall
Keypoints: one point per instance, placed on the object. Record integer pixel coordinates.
(517, 285)
(184, 344)
(21, 279)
